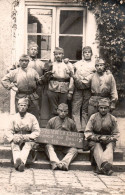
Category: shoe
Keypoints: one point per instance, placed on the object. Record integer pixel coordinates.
(106, 168)
(18, 163)
(21, 167)
(54, 166)
(65, 167)
(98, 171)
(60, 165)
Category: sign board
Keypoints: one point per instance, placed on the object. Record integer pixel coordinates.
(61, 138)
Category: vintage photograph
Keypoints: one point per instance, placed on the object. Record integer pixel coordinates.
(62, 97)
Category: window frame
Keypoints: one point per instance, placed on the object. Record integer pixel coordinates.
(55, 26)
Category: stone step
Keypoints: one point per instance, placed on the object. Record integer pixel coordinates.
(5, 153)
(76, 165)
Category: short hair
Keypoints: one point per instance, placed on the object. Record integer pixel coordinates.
(87, 48)
(63, 105)
(99, 61)
(59, 49)
(32, 44)
(24, 56)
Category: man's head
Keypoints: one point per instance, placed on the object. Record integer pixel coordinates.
(87, 53)
(62, 110)
(103, 106)
(100, 65)
(33, 50)
(59, 54)
(23, 105)
(24, 60)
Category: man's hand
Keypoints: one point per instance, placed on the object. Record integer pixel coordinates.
(26, 138)
(69, 96)
(17, 139)
(14, 88)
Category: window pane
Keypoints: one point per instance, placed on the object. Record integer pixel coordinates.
(71, 22)
(44, 43)
(39, 21)
(72, 47)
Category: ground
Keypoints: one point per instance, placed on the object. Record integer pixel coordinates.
(48, 182)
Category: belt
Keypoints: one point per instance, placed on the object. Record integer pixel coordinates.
(25, 92)
(101, 94)
(60, 79)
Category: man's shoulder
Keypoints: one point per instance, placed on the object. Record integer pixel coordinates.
(112, 117)
(53, 119)
(70, 120)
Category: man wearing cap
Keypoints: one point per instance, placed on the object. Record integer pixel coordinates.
(102, 84)
(60, 85)
(24, 81)
(81, 97)
(37, 65)
(61, 123)
(22, 131)
(102, 133)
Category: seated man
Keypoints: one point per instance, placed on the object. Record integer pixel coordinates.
(62, 123)
(102, 133)
(21, 133)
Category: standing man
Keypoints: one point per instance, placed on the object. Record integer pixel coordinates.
(102, 133)
(61, 123)
(21, 133)
(60, 85)
(81, 96)
(102, 85)
(24, 82)
(37, 65)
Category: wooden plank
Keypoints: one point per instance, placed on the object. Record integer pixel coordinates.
(61, 138)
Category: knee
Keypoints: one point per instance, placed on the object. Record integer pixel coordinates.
(49, 147)
(73, 150)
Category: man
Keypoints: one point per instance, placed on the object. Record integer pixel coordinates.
(102, 133)
(21, 133)
(37, 65)
(102, 84)
(60, 85)
(61, 123)
(24, 82)
(81, 96)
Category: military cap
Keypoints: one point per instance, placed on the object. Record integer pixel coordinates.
(99, 61)
(63, 106)
(32, 44)
(87, 48)
(104, 102)
(23, 101)
(24, 57)
(58, 49)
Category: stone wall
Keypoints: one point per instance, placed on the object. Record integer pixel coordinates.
(5, 48)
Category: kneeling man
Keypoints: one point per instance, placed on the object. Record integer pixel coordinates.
(61, 123)
(21, 133)
(102, 133)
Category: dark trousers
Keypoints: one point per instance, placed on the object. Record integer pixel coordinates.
(55, 98)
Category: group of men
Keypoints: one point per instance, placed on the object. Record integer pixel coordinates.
(92, 92)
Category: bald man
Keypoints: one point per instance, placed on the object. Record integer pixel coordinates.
(61, 123)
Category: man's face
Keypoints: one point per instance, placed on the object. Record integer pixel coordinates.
(62, 112)
(87, 55)
(58, 56)
(103, 110)
(100, 67)
(33, 51)
(22, 107)
(24, 63)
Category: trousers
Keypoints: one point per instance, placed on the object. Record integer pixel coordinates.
(80, 108)
(23, 153)
(70, 154)
(55, 98)
(101, 155)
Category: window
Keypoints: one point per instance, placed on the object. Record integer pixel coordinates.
(54, 26)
